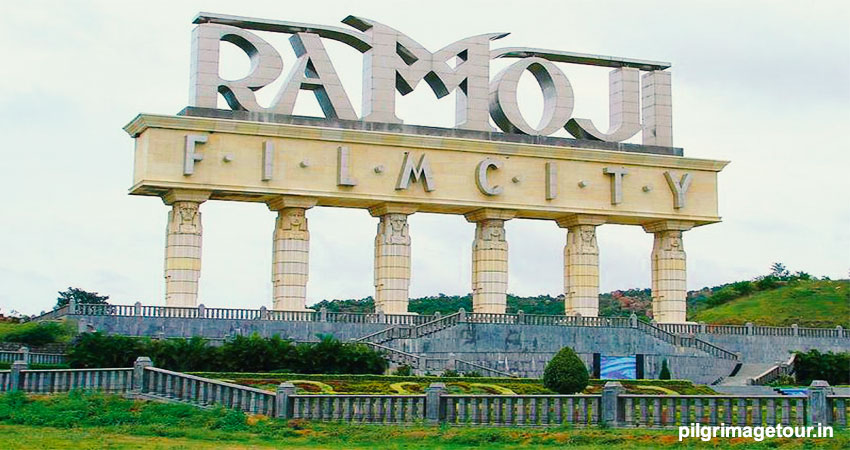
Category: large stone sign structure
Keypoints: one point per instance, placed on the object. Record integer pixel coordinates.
(374, 162)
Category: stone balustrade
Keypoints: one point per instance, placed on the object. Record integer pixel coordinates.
(613, 407)
(23, 354)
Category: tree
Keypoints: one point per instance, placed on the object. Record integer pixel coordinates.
(80, 296)
(665, 371)
(779, 270)
(565, 373)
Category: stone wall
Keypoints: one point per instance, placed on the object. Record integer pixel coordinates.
(520, 348)
(765, 349)
(525, 349)
(222, 328)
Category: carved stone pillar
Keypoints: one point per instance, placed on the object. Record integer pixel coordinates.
(291, 253)
(489, 260)
(392, 257)
(581, 265)
(183, 246)
(669, 274)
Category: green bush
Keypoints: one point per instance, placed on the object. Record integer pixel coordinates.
(767, 282)
(565, 373)
(403, 371)
(665, 371)
(814, 365)
(241, 354)
(38, 333)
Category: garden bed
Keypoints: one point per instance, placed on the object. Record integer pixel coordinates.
(389, 384)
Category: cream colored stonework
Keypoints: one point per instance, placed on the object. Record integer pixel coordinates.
(581, 265)
(291, 253)
(489, 261)
(161, 141)
(183, 236)
(392, 264)
(237, 160)
(669, 272)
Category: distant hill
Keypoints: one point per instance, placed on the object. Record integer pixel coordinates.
(812, 303)
(611, 304)
(764, 301)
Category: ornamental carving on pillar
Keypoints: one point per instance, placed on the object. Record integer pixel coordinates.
(186, 219)
(490, 235)
(668, 245)
(291, 224)
(393, 229)
(583, 240)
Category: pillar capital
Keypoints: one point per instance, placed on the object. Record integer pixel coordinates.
(580, 219)
(667, 225)
(291, 201)
(393, 208)
(489, 214)
(185, 195)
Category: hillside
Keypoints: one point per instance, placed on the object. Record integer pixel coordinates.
(814, 303)
(766, 301)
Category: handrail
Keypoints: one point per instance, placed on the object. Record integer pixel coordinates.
(776, 371)
(209, 380)
(485, 368)
(432, 326)
(400, 356)
(692, 342)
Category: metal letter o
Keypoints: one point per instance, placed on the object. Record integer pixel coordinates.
(558, 98)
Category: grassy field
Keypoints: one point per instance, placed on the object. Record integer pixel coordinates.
(379, 384)
(820, 303)
(93, 421)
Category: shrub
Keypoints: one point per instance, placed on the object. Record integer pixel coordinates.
(743, 287)
(38, 334)
(814, 365)
(241, 354)
(565, 373)
(767, 282)
(403, 371)
(665, 371)
(473, 374)
(449, 373)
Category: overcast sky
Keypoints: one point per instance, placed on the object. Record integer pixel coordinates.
(763, 84)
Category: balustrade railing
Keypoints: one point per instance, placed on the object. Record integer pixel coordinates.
(818, 405)
(773, 374)
(467, 366)
(838, 410)
(32, 358)
(387, 409)
(522, 410)
(204, 391)
(64, 380)
(675, 410)
(419, 320)
(396, 356)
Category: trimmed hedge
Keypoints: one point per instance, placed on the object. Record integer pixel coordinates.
(565, 373)
(241, 354)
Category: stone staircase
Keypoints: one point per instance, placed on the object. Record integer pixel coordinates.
(407, 332)
(747, 372)
(381, 340)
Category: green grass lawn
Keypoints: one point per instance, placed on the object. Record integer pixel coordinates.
(819, 303)
(94, 421)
